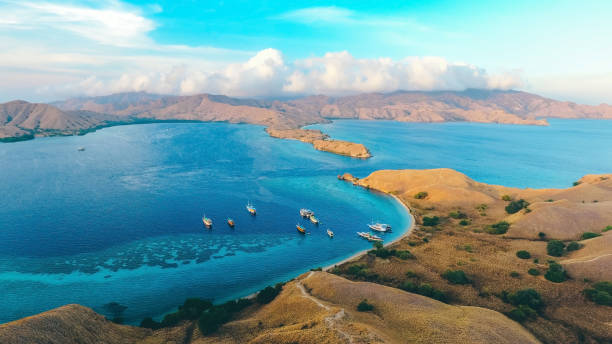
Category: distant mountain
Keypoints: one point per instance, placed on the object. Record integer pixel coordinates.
(20, 119)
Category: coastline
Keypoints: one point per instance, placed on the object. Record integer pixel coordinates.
(406, 233)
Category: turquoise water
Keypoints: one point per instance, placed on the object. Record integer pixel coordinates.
(120, 221)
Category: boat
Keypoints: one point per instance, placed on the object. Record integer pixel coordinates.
(313, 219)
(330, 233)
(251, 209)
(80, 149)
(380, 227)
(300, 229)
(306, 212)
(369, 237)
(206, 221)
(230, 222)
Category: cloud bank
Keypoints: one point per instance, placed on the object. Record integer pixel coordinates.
(268, 74)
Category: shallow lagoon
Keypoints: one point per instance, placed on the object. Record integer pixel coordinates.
(121, 221)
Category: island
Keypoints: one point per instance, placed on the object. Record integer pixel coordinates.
(322, 142)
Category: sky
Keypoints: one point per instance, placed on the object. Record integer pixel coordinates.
(52, 50)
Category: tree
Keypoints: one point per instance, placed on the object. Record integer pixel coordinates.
(555, 273)
(555, 248)
(515, 206)
(573, 246)
(212, 319)
(589, 235)
(364, 306)
(431, 221)
(498, 228)
(421, 195)
(523, 254)
(268, 294)
(456, 277)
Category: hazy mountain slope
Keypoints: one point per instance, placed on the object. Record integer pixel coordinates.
(67, 325)
(19, 118)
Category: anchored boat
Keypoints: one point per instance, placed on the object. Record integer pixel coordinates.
(313, 219)
(230, 222)
(380, 227)
(369, 237)
(251, 209)
(330, 233)
(207, 221)
(306, 212)
(300, 229)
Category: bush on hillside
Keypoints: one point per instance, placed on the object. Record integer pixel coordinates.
(522, 313)
(498, 228)
(456, 277)
(555, 273)
(364, 306)
(421, 195)
(212, 319)
(506, 198)
(601, 293)
(533, 272)
(589, 235)
(573, 246)
(608, 228)
(555, 248)
(523, 254)
(515, 206)
(424, 289)
(268, 294)
(431, 221)
(458, 214)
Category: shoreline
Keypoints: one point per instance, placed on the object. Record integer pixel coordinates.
(406, 233)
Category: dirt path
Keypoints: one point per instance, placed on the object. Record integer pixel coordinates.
(331, 321)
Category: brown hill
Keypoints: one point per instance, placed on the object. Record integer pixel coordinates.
(69, 324)
(593, 261)
(20, 118)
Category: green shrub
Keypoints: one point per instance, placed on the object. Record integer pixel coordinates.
(533, 272)
(555, 273)
(573, 246)
(522, 313)
(555, 248)
(523, 254)
(458, 214)
(212, 319)
(528, 297)
(576, 183)
(464, 222)
(601, 293)
(542, 235)
(382, 252)
(411, 274)
(268, 294)
(506, 198)
(431, 221)
(424, 289)
(364, 306)
(421, 195)
(608, 228)
(150, 323)
(192, 308)
(498, 228)
(515, 274)
(360, 271)
(515, 206)
(589, 235)
(456, 277)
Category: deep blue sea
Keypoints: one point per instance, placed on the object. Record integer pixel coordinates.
(121, 221)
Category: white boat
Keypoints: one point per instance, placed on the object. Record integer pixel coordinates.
(206, 221)
(330, 233)
(313, 219)
(380, 227)
(80, 149)
(306, 212)
(251, 209)
(369, 237)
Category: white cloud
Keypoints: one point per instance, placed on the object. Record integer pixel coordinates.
(267, 74)
(114, 24)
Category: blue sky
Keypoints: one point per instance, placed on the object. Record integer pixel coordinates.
(56, 49)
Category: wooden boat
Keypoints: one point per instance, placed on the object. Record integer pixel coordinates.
(313, 219)
(330, 233)
(300, 229)
(207, 221)
(230, 222)
(251, 209)
(81, 149)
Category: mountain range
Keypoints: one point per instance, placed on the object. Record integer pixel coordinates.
(24, 120)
